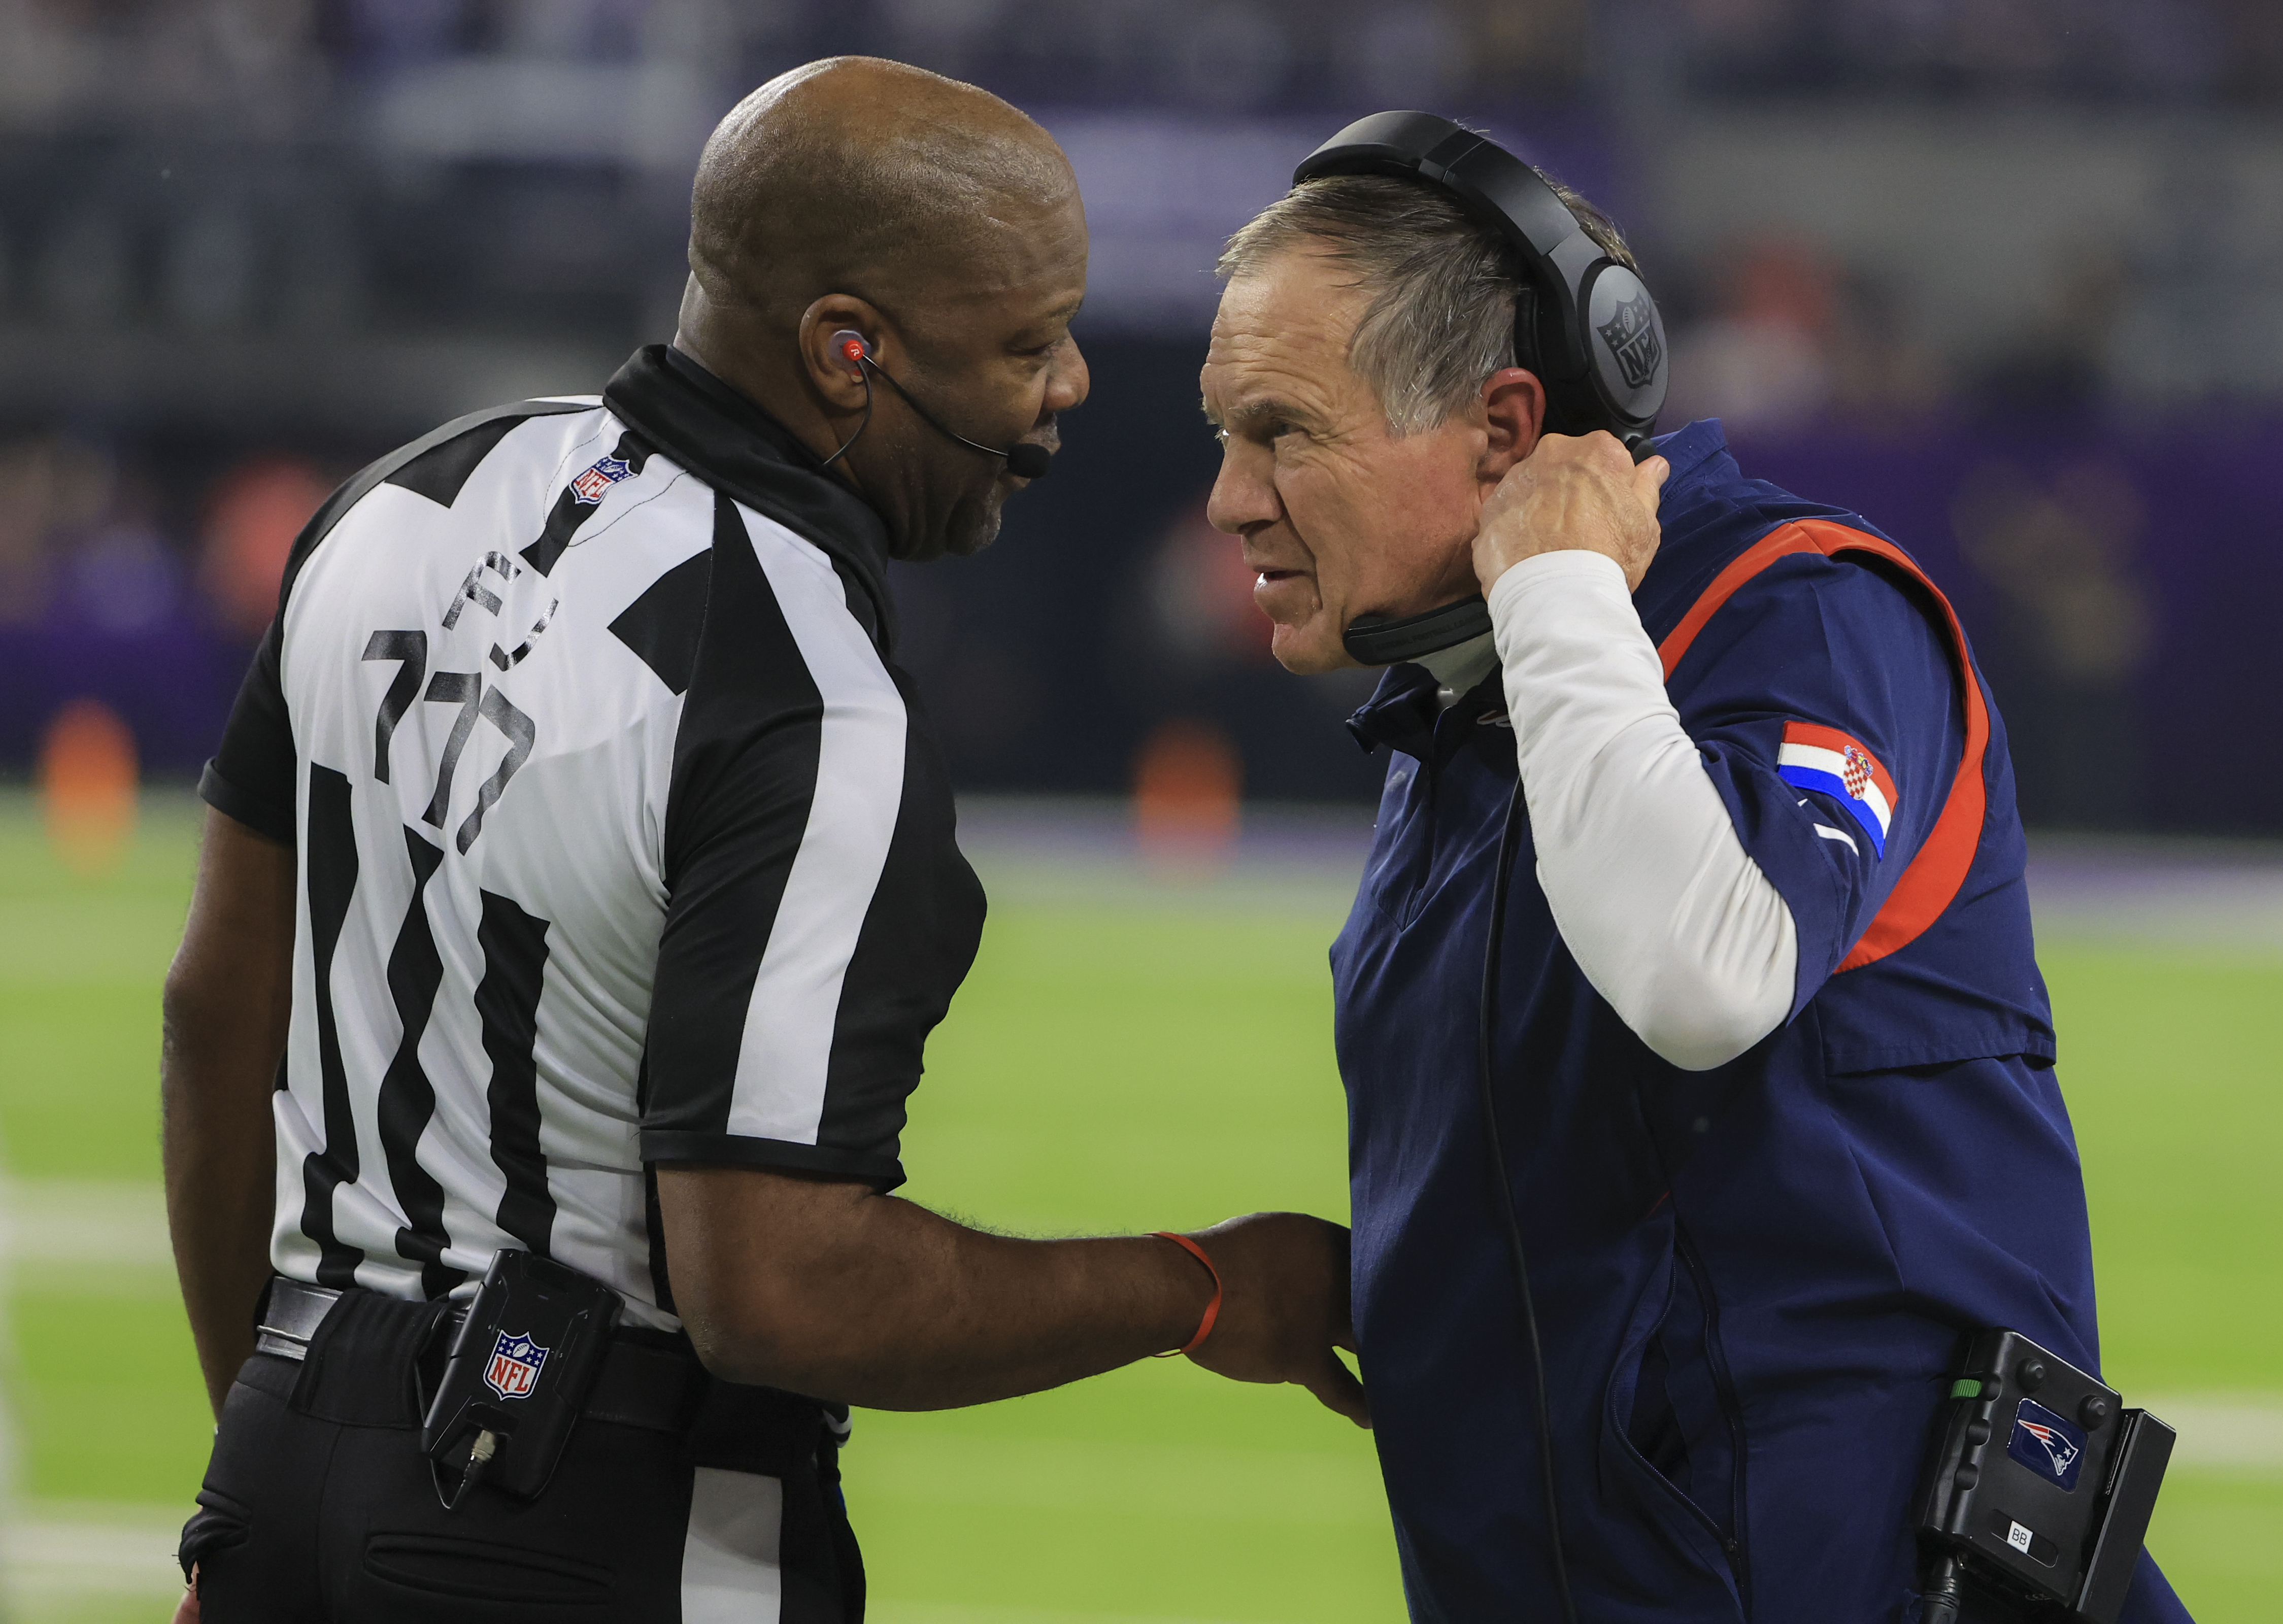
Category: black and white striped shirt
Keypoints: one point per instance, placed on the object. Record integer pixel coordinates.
(622, 840)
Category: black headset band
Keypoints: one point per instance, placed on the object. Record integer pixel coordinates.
(1491, 183)
(1583, 321)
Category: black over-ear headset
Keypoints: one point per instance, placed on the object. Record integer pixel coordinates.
(1582, 322)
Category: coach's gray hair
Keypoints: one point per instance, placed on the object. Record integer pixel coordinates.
(1442, 284)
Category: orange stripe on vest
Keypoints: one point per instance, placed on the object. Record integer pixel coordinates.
(1932, 881)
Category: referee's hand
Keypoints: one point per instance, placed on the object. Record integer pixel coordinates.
(1284, 1307)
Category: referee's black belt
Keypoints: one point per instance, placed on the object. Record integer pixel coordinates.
(648, 1379)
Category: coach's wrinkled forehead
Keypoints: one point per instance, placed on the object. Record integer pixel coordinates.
(864, 176)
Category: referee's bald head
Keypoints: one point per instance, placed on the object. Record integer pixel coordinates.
(930, 218)
(870, 177)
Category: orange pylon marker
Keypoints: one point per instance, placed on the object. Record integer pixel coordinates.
(87, 780)
(1186, 805)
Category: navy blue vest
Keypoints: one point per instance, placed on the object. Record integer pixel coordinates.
(1752, 1282)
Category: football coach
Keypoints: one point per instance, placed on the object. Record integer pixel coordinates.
(1700, 1073)
(578, 891)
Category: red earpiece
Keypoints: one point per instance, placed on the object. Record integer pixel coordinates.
(855, 345)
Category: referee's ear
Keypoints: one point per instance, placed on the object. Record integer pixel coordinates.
(832, 374)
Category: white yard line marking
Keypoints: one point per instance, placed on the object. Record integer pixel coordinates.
(56, 1552)
(52, 1551)
(2222, 1431)
(85, 1223)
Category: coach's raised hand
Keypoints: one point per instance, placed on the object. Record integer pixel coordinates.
(1284, 1307)
(1569, 494)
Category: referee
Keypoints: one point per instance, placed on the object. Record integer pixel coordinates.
(579, 883)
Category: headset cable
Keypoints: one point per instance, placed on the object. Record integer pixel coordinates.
(1510, 838)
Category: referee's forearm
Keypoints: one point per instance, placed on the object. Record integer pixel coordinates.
(970, 1318)
(228, 999)
(220, 1177)
(830, 1290)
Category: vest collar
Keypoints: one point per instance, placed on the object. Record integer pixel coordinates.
(1689, 449)
(1403, 713)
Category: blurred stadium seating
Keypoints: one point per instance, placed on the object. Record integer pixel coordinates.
(2005, 273)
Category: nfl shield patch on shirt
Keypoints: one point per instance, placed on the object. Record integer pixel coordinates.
(592, 485)
(1830, 763)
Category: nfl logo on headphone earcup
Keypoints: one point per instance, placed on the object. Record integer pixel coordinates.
(1628, 342)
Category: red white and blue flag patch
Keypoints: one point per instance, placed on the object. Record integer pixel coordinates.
(1828, 761)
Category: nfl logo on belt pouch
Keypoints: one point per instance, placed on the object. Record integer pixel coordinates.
(514, 1367)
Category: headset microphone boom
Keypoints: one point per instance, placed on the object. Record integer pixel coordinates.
(1024, 459)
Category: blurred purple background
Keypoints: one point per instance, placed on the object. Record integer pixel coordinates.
(2006, 275)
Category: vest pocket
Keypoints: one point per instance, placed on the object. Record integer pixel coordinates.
(1671, 1443)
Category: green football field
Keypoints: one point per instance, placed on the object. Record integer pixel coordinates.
(1125, 1057)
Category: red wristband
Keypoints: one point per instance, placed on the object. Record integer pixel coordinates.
(1213, 1309)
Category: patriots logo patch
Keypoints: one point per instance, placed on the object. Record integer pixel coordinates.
(2046, 1443)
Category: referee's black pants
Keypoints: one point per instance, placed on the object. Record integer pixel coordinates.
(319, 1507)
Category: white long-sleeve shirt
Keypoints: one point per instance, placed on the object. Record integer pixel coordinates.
(1653, 893)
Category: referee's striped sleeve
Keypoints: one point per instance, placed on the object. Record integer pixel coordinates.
(789, 777)
(251, 775)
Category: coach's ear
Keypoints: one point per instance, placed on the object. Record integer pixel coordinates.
(1513, 412)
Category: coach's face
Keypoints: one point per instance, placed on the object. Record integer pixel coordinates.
(1341, 517)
